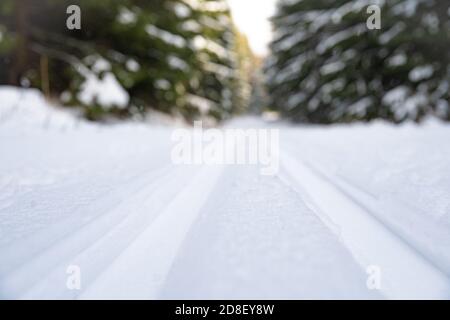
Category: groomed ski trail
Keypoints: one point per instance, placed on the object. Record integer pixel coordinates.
(256, 239)
(96, 245)
(405, 272)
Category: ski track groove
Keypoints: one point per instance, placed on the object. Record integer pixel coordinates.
(19, 254)
(34, 270)
(146, 262)
(368, 201)
(406, 273)
(142, 210)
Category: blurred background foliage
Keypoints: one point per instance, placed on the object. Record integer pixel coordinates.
(182, 57)
(326, 66)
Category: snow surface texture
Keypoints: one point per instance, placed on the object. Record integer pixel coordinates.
(107, 200)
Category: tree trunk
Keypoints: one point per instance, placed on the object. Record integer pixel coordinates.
(18, 69)
(45, 80)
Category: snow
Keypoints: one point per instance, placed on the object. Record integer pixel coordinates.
(191, 25)
(202, 104)
(132, 65)
(162, 84)
(420, 73)
(412, 106)
(296, 99)
(220, 70)
(202, 43)
(373, 245)
(339, 37)
(255, 244)
(332, 68)
(27, 111)
(353, 7)
(396, 96)
(431, 20)
(126, 16)
(290, 41)
(107, 200)
(208, 6)
(404, 103)
(442, 108)
(100, 65)
(182, 10)
(389, 35)
(398, 60)
(407, 8)
(360, 107)
(177, 63)
(292, 68)
(401, 178)
(166, 36)
(106, 91)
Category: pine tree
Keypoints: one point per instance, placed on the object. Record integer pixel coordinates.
(328, 66)
(177, 56)
(216, 86)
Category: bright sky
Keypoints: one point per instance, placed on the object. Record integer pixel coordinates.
(252, 18)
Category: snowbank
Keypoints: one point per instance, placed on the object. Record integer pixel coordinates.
(27, 109)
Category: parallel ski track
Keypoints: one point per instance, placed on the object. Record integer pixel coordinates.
(405, 272)
(126, 249)
(95, 245)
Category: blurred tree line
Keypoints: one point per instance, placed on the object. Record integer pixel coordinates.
(182, 57)
(328, 66)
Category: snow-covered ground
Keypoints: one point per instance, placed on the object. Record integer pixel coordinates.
(105, 203)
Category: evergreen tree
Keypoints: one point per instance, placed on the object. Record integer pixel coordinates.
(213, 84)
(177, 56)
(328, 66)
